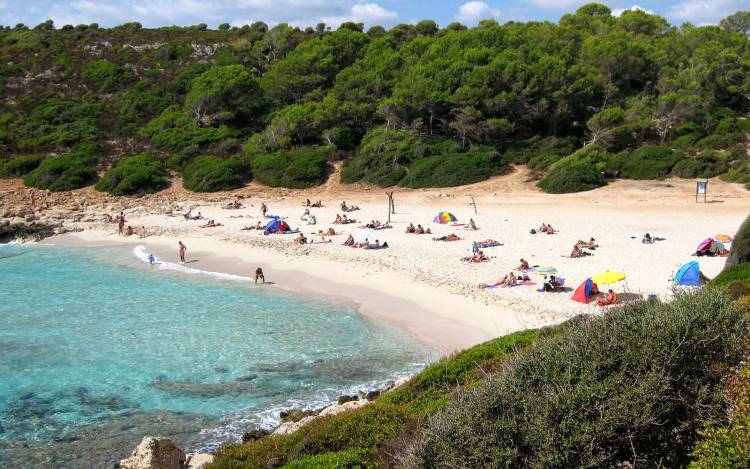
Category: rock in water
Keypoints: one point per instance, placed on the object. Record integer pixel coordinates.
(155, 453)
(200, 461)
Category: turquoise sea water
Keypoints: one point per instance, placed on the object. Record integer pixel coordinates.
(91, 337)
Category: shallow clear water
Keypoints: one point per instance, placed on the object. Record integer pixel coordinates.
(91, 335)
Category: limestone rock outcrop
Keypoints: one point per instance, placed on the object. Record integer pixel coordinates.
(155, 453)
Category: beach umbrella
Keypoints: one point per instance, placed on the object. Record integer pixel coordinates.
(545, 270)
(444, 217)
(362, 235)
(608, 277)
(723, 238)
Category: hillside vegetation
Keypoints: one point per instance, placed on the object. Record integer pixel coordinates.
(417, 105)
(634, 386)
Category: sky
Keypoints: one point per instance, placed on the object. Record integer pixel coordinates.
(152, 13)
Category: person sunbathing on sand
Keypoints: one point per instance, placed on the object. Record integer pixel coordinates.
(524, 266)
(505, 281)
(420, 230)
(591, 244)
(301, 239)
(338, 220)
(576, 253)
(476, 258)
(450, 237)
(349, 241)
(307, 203)
(550, 230)
(552, 284)
(211, 224)
(364, 244)
(472, 225)
(610, 299)
(129, 231)
(510, 280)
(330, 232)
(317, 204)
(411, 229)
(323, 240)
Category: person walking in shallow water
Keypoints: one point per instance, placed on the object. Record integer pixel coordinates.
(183, 248)
(259, 275)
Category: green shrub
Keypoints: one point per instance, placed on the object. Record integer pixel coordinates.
(455, 169)
(134, 175)
(174, 130)
(728, 446)
(650, 162)
(294, 169)
(632, 385)
(740, 253)
(739, 171)
(142, 102)
(382, 170)
(382, 157)
(347, 459)
(20, 165)
(105, 76)
(580, 171)
(540, 153)
(733, 274)
(212, 174)
(67, 172)
(706, 165)
(53, 122)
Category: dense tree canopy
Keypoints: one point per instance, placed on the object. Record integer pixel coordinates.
(523, 91)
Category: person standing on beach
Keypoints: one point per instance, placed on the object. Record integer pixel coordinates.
(259, 275)
(183, 248)
(121, 224)
(263, 209)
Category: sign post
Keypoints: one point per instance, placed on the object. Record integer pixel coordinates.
(701, 187)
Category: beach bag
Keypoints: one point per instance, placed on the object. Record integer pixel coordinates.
(533, 231)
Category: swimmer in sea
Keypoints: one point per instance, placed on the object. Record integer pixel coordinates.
(151, 258)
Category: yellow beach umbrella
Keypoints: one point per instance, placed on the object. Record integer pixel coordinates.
(608, 278)
(723, 238)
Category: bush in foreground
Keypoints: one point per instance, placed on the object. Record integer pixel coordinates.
(135, 175)
(212, 174)
(20, 165)
(580, 171)
(293, 169)
(631, 387)
(728, 446)
(67, 172)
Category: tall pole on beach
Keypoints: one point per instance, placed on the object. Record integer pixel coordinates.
(474, 203)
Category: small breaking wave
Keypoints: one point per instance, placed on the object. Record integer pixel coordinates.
(142, 255)
(236, 424)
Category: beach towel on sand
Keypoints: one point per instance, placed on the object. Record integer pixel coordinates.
(488, 244)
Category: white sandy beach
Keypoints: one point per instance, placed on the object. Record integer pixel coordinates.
(421, 284)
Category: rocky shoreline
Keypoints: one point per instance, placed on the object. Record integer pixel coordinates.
(162, 453)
